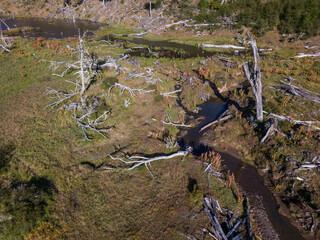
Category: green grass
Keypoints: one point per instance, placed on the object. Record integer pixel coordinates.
(42, 147)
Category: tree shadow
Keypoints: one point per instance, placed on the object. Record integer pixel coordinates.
(6, 153)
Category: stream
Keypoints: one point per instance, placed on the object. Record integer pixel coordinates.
(272, 224)
(166, 48)
(263, 205)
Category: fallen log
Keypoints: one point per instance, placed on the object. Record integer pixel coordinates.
(137, 161)
(300, 92)
(209, 207)
(249, 231)
(170, 94)
(301, 55)
(221, 118)
(238, 224)
(300, 122)
(309, 165)
(174, 124)
(272, 129)
(223, 46)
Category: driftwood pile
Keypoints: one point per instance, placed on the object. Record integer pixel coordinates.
(228, 228)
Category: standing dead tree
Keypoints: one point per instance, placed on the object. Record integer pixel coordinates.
(84, 106)
(254, 78)
(86, 69)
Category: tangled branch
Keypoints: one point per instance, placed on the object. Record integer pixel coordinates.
(137, 161)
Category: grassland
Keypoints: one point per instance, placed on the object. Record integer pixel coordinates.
(51, 183)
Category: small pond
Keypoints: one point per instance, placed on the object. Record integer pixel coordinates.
(57, 29)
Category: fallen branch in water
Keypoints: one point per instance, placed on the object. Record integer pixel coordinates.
(221, 118)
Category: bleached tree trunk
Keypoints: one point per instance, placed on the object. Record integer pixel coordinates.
(82, 74)
(150, 8)
(254, 78)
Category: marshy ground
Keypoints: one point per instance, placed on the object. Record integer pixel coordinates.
(53, 185)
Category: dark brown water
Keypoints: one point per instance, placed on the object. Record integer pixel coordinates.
(56, 29)
(247, 177)
(167, 49)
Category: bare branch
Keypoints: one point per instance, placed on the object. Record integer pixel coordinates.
(222, 117)
(300, 122)
(137, 161)
(130, 90)
(5, 42)
(223, 46)
(301, 55)
(174, 124)
(92, 124)
(300, 92)
(170, 94)
(62, 97)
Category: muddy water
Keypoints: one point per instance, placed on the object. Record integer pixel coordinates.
(56, 29)
(264, 208)
(166, 49)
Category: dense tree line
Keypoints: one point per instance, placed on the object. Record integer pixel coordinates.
(289, 16)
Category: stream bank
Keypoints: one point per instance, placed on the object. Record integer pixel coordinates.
(264, 207)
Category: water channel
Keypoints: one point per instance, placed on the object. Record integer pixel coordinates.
(246, 175)
(271, 223)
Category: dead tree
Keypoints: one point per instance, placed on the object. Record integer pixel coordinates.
(86, 68)
(254, 78)
(299, 92)
(290, 119)
(5, 43)
(233, 229)
(222, 117)
(136, 161)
